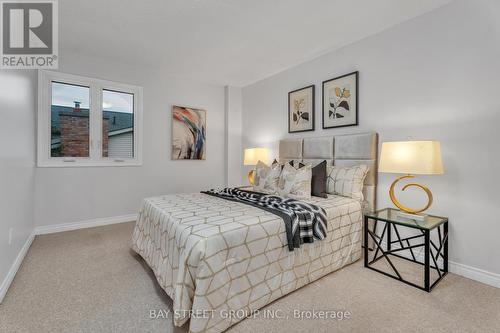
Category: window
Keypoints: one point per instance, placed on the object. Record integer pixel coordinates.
(117, 124)
(69, 124)
(87, 122)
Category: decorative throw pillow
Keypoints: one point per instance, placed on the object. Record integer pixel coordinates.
(318, 181)
(261, 170)
(346, 181)
(267, 177)
(295, 183)
(296, 164)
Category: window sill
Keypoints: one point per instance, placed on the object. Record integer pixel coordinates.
(81, 163)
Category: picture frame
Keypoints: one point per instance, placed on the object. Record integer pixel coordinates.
(189, 126)
(301, 109)
(340, 98)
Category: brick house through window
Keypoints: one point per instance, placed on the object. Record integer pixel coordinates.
(70, 132)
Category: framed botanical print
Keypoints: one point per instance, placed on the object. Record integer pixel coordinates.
(301, 110)
(340, 101)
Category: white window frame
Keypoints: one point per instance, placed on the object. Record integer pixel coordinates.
(45, 79)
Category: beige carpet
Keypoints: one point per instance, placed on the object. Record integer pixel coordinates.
(89, 281)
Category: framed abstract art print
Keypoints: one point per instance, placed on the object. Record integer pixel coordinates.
(188, 133)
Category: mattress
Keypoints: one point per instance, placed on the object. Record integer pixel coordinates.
(213, 256)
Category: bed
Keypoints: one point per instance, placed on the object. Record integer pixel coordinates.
(218, 259)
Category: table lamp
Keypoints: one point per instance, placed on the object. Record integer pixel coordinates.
(252, 156)
(411, 158)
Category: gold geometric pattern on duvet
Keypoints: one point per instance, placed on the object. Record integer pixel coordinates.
(209, 253)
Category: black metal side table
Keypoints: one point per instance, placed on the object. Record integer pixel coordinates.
(435, 248)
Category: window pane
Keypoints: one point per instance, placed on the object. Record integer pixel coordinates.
(69, 120)
(117, 124)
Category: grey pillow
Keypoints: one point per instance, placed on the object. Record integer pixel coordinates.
(318, 180)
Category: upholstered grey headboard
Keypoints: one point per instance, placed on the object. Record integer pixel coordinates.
(341, 150)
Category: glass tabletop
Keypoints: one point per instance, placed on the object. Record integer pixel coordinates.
(396, 216)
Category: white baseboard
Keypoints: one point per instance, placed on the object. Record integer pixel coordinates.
(476, 274)
(469, 272)
(53, 228)
(15, 267)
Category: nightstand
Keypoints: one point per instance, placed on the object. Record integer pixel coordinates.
(431, 235)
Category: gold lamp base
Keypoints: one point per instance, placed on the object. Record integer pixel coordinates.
(401, 206)
(251, 177)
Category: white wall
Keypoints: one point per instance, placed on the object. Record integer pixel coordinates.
(66, 195)
(17, 163)
(234, 159)
(434, 77)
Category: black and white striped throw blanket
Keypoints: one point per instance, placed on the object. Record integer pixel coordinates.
(304, 222)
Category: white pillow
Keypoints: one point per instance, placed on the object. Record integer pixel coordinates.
(346, 181)
(295, 183)
(267, 178)
(261, 171)
(296, 164)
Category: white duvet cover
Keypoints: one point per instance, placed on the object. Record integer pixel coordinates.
(212, 255)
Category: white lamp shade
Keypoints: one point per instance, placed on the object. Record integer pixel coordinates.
(411, 157)
(254, 155)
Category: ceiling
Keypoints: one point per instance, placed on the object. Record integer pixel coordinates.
(228, 42)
